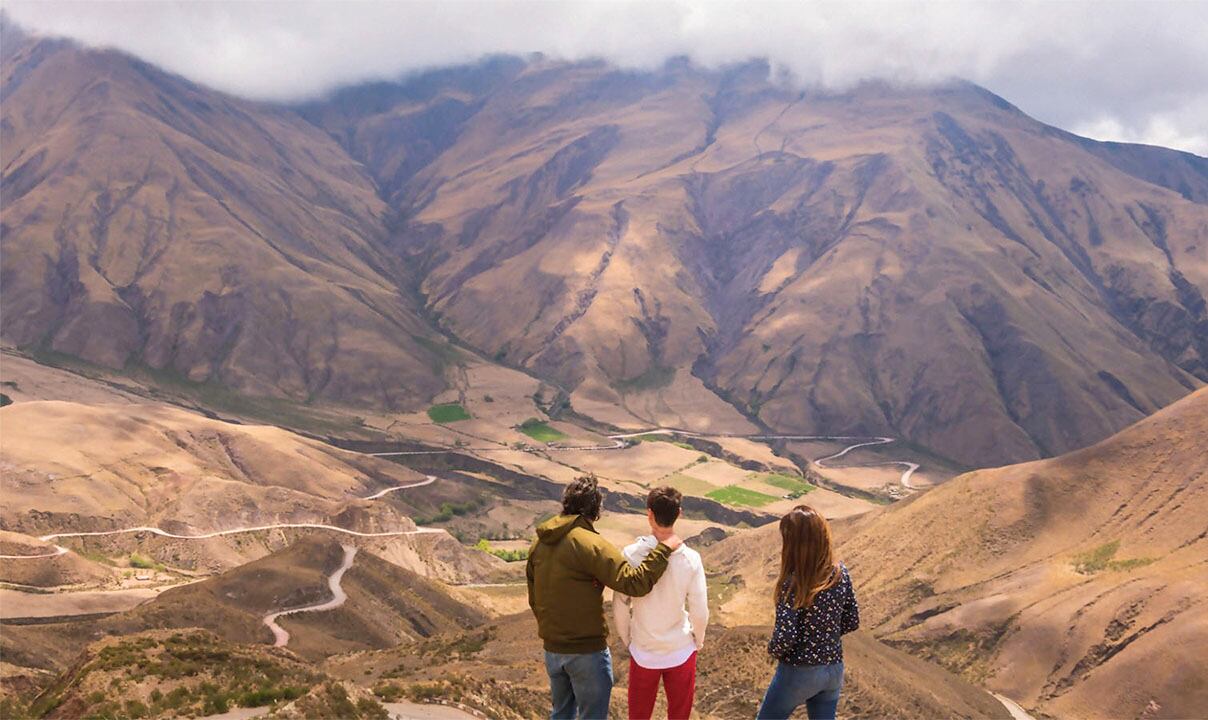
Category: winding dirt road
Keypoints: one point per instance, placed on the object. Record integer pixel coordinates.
(338, 597)
(60, 550)
(618, 443)
(55, 553)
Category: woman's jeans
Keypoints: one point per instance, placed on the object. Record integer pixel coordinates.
(580, 684)
(814, 686)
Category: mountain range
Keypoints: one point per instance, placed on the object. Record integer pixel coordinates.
(928, 263)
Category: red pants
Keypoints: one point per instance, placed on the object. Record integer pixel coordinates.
(679, 682)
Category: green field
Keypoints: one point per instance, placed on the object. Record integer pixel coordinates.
(540, 431)
(735, 495)
(447, 413)
(792, 483)
(688, 485)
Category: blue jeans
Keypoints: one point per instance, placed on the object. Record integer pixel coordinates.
(579, 684)
(815, 686)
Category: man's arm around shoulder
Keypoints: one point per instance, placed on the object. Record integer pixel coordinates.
(606, 564)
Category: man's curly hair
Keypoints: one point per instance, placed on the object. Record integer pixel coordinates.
(583, 497)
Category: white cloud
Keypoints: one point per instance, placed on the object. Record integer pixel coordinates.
(1121, 70)
(1167, 130)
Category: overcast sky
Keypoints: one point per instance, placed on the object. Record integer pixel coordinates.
(1133, 71)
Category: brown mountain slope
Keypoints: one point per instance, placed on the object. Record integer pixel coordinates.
(386, 604)
(928, 263)
(75, 467)
(1074, 585)
(150, 222)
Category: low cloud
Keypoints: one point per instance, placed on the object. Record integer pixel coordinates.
(1132, 71)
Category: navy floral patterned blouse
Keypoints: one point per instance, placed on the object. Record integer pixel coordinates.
(811, 636)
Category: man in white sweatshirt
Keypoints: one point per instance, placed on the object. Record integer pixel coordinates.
(662, 636)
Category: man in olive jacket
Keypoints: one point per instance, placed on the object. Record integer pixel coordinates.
(569, 566)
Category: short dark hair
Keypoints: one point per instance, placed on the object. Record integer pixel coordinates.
(583, 497)
(665, 503)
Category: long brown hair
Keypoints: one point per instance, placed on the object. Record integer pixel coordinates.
(807, 563)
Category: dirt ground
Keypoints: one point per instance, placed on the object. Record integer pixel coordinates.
(16, 604)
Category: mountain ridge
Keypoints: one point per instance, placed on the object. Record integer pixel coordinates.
(565, 192)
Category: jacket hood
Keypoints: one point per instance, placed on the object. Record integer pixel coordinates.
(553, 530)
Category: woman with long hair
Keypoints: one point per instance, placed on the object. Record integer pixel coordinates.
(815, 606)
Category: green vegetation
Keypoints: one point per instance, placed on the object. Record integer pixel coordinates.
(721, 588)
(503, 554)
(207, 675)
(5, 400)
(735, 495)
(331, 700)
(540, 431)
(447, 413)
(388, 692)
(449, 510)
(660, 437)
(463, 646)
(653, 379)
(143, 562)
(1102, 558)
(795, 486)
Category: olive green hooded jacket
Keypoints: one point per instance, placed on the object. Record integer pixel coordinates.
(568, 568)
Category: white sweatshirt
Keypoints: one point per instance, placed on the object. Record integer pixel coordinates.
(659, 632)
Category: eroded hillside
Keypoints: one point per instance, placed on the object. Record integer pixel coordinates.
(1073, 585)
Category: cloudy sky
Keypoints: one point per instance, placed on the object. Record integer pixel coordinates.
(1133, 71)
